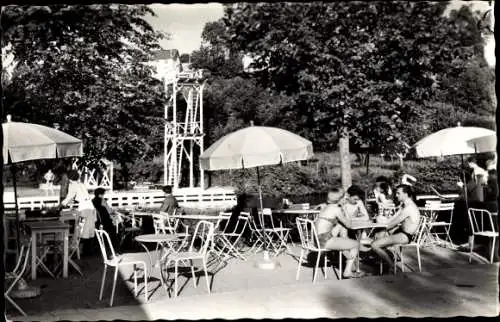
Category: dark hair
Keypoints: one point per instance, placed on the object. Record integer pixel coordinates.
(382, 179)
(356, 191)
(99, 191)
(167, 189)
(385, 187)
(471, 159)
(334, 190)
(73, 175)
(406, 189)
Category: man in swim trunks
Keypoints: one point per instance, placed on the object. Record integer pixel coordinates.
(331, 214)
(408, 216)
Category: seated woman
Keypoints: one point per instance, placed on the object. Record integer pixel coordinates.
(107, 218)
(408, 216)
(328, 218)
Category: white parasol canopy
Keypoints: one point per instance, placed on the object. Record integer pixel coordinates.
(27, 141)
(256, 146)
(450, 141)
(484, 144)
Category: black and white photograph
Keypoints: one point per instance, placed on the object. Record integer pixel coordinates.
(261, 160)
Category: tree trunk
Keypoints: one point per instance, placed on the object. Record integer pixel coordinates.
(367, 162)
(345, 161)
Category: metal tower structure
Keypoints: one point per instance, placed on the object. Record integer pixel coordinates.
(183, 126)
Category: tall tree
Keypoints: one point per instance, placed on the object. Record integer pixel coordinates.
(81, 66)
(357, 69)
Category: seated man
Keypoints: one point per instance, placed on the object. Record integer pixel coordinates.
(328, 218)
(353, 207)
(408, 216)
(170, 204)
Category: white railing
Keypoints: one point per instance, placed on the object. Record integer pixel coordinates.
(192, 198)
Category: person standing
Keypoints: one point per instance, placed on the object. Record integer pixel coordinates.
(78, 192)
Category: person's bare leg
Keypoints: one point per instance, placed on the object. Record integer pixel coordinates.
(379, 245)
(345, 244)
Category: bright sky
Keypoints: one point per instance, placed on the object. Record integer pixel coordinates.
(184, 22)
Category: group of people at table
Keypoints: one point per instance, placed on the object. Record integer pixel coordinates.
(332, 222)
(337, 214)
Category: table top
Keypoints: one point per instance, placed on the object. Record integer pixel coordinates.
(201, 217)
(365, 224)
(40, 225)
(158, 238)
(297, 211)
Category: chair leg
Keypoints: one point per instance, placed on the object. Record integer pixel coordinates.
(135, 280)
(402, 261)
(471, 248)
(300, 264)
(146, 282)
(192, 273)
(316, 267)
(325, 259)
(419, 260)
(15, 305)
(102, 282)
(492, 249)
(206, 274)
(176, 270)
(340, 265)
(115, 277)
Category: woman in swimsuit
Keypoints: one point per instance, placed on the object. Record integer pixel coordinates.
(328, 218)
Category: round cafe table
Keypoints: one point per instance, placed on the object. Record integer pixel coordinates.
(162, 240)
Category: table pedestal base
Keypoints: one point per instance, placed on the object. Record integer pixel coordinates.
(267, 263)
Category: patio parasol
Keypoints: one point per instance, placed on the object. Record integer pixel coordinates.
(451, 141)
(253, 147)
(27, 141)
(484, 144)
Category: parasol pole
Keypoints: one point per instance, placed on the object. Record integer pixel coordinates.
(465, 186)
(18, 231)
(265, 263)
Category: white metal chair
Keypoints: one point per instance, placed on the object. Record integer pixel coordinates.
(415, 242)
(13, 277)
(479, 220)
(112, 260)
(229, 239)
(271, 231)
(256, 238)
(443, 223)
(310, 243)
(74, 246)
(204, 231)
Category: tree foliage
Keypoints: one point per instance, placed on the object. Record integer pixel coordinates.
(81, 66)
(370, 68)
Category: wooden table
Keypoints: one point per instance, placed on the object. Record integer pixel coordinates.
(46, 227)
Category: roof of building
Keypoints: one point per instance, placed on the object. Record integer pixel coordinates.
(165, 54)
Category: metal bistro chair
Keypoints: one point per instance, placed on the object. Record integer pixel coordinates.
(479, 220)
(74, 247)
(444, 222)
(112, 260)
(204, 230)
(310, 242)
(257, 238)
(13, 277)
(415, 242)
(271, 231)
(229, 239)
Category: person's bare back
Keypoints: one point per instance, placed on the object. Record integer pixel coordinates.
(412, 214)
